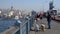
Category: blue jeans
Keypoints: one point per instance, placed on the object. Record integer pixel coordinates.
(49, 24)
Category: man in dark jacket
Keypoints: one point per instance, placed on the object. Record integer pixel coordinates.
(49, 20)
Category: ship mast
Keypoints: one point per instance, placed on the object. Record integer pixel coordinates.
(51, 5)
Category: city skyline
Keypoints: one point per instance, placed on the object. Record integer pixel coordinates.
(28, 5)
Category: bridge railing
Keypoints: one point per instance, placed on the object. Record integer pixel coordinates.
(20, 28)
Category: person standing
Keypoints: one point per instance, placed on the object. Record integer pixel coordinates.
(49, 20)
(41, 17)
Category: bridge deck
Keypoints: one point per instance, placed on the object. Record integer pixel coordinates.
(55, 28)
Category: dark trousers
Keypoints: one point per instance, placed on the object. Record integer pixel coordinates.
(49, 24)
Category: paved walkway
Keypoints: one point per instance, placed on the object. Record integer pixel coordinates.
(55, 28)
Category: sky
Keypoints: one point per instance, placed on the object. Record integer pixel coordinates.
(28, 5)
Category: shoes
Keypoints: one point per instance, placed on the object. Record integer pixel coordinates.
(49, 28)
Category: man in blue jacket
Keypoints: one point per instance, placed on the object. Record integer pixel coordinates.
(49, 20)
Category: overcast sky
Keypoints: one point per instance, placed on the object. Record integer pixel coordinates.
(28, 5)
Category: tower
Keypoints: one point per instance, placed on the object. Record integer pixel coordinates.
(11, 8)
(51, 5)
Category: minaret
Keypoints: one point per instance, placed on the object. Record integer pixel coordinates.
(11, 8)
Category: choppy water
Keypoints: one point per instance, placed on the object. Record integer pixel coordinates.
(6, 24)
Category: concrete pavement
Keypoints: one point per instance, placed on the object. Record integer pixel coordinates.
(55, 27)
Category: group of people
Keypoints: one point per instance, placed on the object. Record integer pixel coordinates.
(39, 16)
(48, 19)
